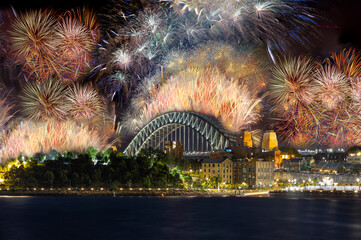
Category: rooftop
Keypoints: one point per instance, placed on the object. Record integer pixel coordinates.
(215, 160)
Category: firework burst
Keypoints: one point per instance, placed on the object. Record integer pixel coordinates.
(89, 18)
(84, 102)
(5, 114)
(32, 34)
(208, 92)
(332, 87)
(267, 22)
(33, 44)
(292, 81)
(73, 40)
(348, 61)
(29, 138)
(44, 100)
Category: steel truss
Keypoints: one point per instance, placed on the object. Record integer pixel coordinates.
(182, 125)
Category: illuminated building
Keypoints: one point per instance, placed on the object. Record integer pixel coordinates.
(278, 158)
(256, 174)
(218, 168)
(247, 139)
(269, 141)
(354, 157)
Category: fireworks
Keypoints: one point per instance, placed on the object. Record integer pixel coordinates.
(84, 102)
(318, 104)
(89, 19)
(348, 61)
(5, 114)
(268, 22)
(30, 138)
(122, 58)
(50, 48)
(204, 56)
(44, 100)
(208, 92)
(332, 87)
(32, 34)
(73, 39)
(292, 80)
(33, 44)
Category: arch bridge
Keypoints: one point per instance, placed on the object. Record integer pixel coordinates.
(198, 134)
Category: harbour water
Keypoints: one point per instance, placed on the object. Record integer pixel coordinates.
(54, 217)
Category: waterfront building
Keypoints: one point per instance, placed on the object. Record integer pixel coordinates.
(293, 164)
(326, 167)
(303, 177)
(354, 157)
(218, 168)
(255, 174)
(331, 157)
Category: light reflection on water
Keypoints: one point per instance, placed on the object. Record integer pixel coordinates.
(178, 218)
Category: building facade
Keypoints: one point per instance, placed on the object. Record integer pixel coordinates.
(354, 158)
(255, 174)
(269, 141)
(218, 168)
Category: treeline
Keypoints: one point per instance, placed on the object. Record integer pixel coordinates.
(108, 169)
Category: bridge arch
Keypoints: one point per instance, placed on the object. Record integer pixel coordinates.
(156, 131)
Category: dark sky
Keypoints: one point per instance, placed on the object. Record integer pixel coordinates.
(342, 30)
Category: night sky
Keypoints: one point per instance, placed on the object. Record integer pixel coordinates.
(341, 28)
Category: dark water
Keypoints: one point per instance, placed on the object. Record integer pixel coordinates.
(178, 218)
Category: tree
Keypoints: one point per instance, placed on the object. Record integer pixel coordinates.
(315, 181)
(49, 176)
(244, 185)
(214, 181)
(32, 182)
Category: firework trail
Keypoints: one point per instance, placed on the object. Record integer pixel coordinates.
(83, 102)
(317, 103)
(74, 44)
(273, 23)
(292, 82)
(348, 61)
(49, 47)
(332, 87)
(44, 100)
(5, 113)
(204, 91)
(29, 138)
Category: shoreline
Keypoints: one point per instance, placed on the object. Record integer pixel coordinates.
(133, 192)
(326, 194)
